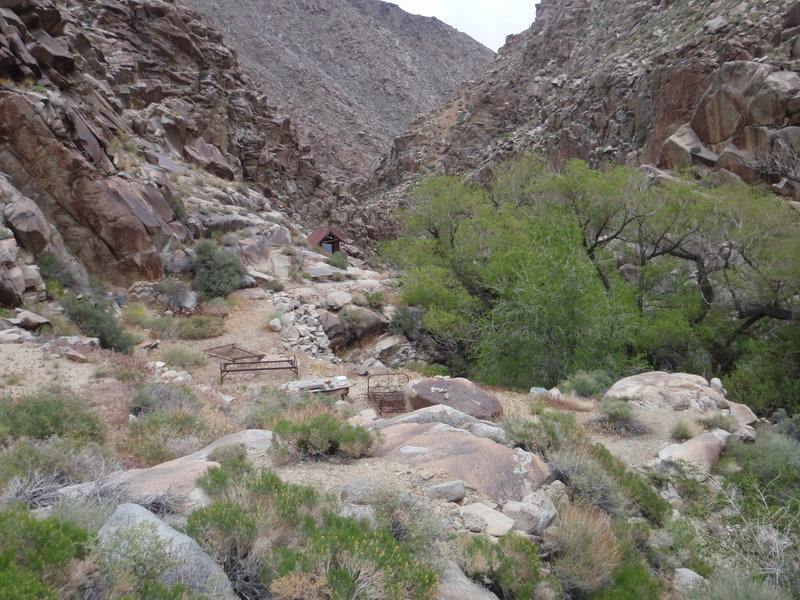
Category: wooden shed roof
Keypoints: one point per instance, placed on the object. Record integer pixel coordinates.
(320, 234)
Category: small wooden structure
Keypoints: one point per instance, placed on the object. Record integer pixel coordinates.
(329, 239)
(236, 359)
(386, 392)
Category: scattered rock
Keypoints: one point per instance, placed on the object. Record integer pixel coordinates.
(497, 524)
(452, 491)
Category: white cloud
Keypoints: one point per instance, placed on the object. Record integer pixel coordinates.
(488, 21)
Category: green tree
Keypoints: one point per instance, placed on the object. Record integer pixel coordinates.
(217, 271)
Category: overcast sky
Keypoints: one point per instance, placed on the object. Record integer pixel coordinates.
(488, 21)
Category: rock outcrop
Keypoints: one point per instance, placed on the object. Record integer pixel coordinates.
(352, 73)
(108, 106)
(460, 394)
(679, 391)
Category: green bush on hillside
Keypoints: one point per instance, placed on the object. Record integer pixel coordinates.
(217, 271)
(96, 319)
(48, 412)
(322, 436)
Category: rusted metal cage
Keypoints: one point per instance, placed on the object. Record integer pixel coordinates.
(386, 392)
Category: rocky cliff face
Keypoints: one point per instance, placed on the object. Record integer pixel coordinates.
(603, 80)
(352, 73)
(111, 115)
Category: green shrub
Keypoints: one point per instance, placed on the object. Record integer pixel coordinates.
(787, 425)
(178, 356)
(590, 384)
(646, 499)
(509, 567)
(405, 321)
(164, 327)
(429, 370)
(615, 411)
(34, 554)
(338, 260)
(172, 291)
(681, 430)
(228, 453)
(159, 436)
(408, 518)
(47, 412)
(588, 480)
(720, 421)
(630, 580)
(272, 405)
(217, 271)
(137, 314)
(279, 540)
(551, 431)
(53, 268)
(96, 319)
(375, 300)
(200, 327)
(322, 436)
(734, 584)
(351, 319)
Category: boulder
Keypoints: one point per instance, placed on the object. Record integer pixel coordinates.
(679, 391)
(195, 568)
(770, 105)
(208, 156)
(743, 414)
(275, 325)
(497, 471)
(497, 524)
(450, 416)
(338, 299)
(29, 320)
(529, 517)
(452, 491)
(454, 585)
(702, 451)
(458, 393)
(364, 490)
(678, 148)
(685, 579)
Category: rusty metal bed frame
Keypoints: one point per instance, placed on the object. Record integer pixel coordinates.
(385, 396)
(236, 359)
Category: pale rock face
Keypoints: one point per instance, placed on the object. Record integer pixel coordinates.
(497, 524)
(702, 451)
(680, 391)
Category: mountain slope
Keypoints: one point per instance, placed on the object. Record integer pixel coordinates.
(603, 80)
(352, 73)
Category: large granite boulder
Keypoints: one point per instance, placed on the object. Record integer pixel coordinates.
(702, 452)
(499, 472)
(194, 567)
(679, 391)
(459, 393)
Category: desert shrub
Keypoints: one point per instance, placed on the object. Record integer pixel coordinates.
(128, 368)
(405, 321)
(96, 319)
(34, 554)
(61, 460)
(172, 291)
(617, 417)
(272, 405)
(179, 356)
(229, 453)
(429, 370)
(87, 513)
(733, 584)
(135, 559)
(338, 260)
(681, 430)
(54, 269)
(200, 327)
(164, 327)
(351, 319)
(770, 468)
(284, 539)
(787, 425)
(49, 411)
(551, 430)
(647, 500)
(409, 519)
(273, 285)
(375, 300)
(159, 436)
(509, 567)
(322, 436)
(587, 550)
(217, 271)
(720, 421)
(591, 384)
(158, 397)
(137, 314)
(587, 479)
